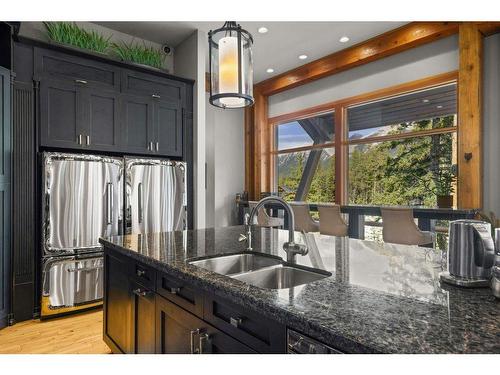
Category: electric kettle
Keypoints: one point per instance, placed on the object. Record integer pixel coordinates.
(495, 272)
(471, 254)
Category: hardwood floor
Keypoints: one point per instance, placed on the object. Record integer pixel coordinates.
(75, 334)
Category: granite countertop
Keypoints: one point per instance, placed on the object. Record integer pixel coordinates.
(380, 298)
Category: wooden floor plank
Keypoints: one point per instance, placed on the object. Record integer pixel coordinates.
(75, 334)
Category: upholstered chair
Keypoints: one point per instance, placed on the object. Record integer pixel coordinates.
(303, 220)
(399, 227)
(331, 221)
(263, 219)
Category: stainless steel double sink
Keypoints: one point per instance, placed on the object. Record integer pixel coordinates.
(260, 270)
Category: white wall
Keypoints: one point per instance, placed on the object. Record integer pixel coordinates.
(225, 163)
(36, 30)
(491, 123)
(190, 63)
(428, 60)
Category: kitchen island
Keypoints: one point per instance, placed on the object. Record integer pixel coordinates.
(375, 298)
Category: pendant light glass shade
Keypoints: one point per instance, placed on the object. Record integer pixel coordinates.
(231, 66)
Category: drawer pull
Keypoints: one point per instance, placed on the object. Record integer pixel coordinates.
(82, 81)
(140, 272)
(140, 292)
(175, 290)
(156, 96)
(235, 322)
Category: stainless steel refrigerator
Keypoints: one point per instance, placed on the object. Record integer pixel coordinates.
(82, 201)
(155, 199)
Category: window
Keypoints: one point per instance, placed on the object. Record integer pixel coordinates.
(393, 149)
(402, 150)
(305, 159)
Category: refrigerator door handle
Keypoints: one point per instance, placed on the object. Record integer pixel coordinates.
(109, 203)
(139, 202)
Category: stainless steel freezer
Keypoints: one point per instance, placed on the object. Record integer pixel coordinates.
(155, 195)
(82, 201)
(71, 283)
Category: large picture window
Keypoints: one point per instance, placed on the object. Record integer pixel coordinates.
(393, 149)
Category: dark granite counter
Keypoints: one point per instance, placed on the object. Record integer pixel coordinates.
(380, 298)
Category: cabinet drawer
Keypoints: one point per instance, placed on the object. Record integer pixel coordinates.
(52, 64)
(259, 333)
(143, 275)
(152, 86)
(180, 293)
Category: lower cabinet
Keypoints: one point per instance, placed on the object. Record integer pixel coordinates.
(161, 314)
(117, 320)
(143, 317)
(180, 332)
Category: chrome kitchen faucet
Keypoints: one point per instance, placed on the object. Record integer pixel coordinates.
(290, 247)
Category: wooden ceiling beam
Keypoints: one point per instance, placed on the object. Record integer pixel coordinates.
(488, 28)
(387, 44)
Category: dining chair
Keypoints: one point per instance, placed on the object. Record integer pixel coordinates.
(331, 221)
(263, 219)
(398, 226)
(303, 220)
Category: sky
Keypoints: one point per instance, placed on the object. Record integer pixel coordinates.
(292, 135)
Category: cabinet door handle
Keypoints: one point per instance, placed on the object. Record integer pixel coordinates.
(175, 290)
(151, 147)
(88, 139)
(81, 81)
(157, 146)
(79, 139)
(192, 334)
(203, 337)
(235, 322)
(156, 96)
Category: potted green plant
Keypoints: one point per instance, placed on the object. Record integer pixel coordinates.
(69, 33)
(444, 179)
(139, 54)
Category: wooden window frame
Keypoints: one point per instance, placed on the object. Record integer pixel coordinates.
(341, 143)
(258, 166)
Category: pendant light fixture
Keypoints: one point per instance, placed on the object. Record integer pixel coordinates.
(231, 66)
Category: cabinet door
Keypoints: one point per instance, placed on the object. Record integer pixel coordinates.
(168, 128)
(101, 120)
(144, 319)
(118, 313)
(180, 332)
(176, 329)
(137, 124)
(60, 114)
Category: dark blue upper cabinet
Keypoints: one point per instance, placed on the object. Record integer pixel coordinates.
(4, 194)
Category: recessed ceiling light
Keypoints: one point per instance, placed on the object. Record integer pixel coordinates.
(425, 100)
(270, 70)
(344, 39)
(439, 106)
(303, 57)
(262, 30)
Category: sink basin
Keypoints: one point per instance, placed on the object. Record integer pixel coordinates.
(280, 277)
(235, 264)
